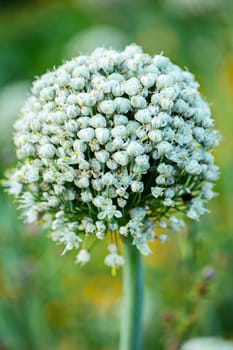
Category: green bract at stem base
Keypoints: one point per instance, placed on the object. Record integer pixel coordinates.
(133, 286)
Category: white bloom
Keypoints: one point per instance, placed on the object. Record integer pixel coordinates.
(143, 116)
(134, 149)
(121, 158)
(102, 156)
(102, 135)
(193, 167)
(83, 182)
(119, 130)
(137, 186)
(120, 119)
(162, 238)
(47, 150)
(164, 147)
(157, 191)
(132, 86)
(107, 107)
(83, 257)
(86, 135)
(138, 101)
(122, 105)
(155, 136)
(207, 343)
(79, 146)
(148, 80)
(196, 210)
(98, 121)
(121, 138)
(108, 179)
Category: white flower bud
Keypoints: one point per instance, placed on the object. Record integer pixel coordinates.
(108, 179)
(83, 257)
(83, 182)
(119, 131)
(138, 101)
(72, 111)
(83, 122)
(193, 167)
(107, 107)
(157, 191)
(143, 116)
(102, 135)
(77, 83)
(120, 119)
(122, 105)
(97, 121)
(134, 149)
(81, 71)
(143, 161)
(63, 78)
(121, 202)
(47, 93)
(121, 158)
(137, 186)
(164, 81)
(79, 146)
(132, 86)
(86, 196)
(87, 134)
(155, 136)
(47, 150)
(164, 147)
(102, 156)
(148, 80)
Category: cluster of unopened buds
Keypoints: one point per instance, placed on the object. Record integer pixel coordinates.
(116, 145)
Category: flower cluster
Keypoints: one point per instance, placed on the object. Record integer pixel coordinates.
(114, 144)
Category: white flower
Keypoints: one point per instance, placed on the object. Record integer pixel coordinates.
(87, 134)
(102, 135)
(119, 131)
(155, 135)
(102, 156)
(113, 141)
(162, 238)
(138, 102)
(164, 147)
(83, 257)
(122, 105)
(107, 107)
(132, 86)
(193, 167)
(143, 116)
(83, 182)
(157, 191)
(47, 150)
(120, 119)
(149, 79)
(207, 343)
(137, 186)
(134, 149)
(98, 121)
(121, 158)
(196, 210)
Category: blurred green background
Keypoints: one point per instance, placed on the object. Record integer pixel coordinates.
(47, 301)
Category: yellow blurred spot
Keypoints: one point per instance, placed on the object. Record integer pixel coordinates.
(102, 290)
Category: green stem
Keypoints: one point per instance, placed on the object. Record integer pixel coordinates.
(133, 283)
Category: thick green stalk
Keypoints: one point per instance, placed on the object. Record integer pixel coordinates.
(132, 313)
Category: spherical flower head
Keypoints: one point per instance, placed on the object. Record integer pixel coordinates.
(112, 145)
